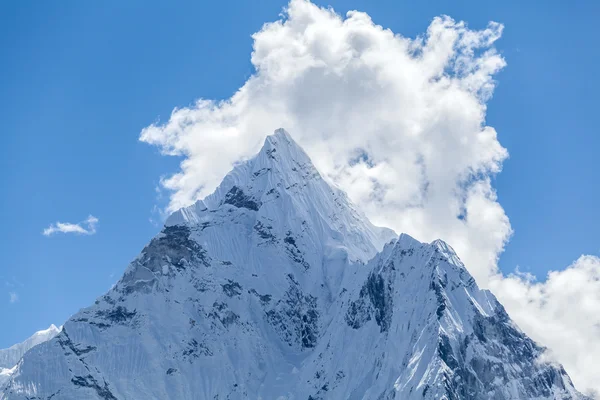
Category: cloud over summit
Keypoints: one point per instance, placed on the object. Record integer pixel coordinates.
(342, 87)
(396, 122)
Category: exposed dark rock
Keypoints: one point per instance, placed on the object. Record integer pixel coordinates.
(374, 298)
(472, 376)
(117, 315)
(359, 312)
(89, 381)
(200, 285)
(270, 153)
(232, 288)
(223, 314)
(194, 349)
(381, 300)
(425, 390)
(237, 198)
(272, 191)
(436, 286)
(172, 247)
(264, 231)
(446, 353)
(294, 252)
(261, 171)
(264, 299)
(67, 344)
(100, 325)
(295, 318)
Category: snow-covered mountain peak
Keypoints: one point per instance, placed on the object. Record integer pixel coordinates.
(280, 192)
(437, 335)
(447, 251)
(50, 331)
(280, 166)
(276, 287)
(282, 147)
(10, 357)
(406, 241)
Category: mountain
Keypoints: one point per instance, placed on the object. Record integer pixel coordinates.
(11, 356)
(276, 287)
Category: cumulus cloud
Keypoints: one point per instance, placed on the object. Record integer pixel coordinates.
(86, 227)
(13, 297)
(397, 122)
(562, 313)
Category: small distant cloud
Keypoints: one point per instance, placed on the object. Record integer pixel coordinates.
(14, 297)
(87, 227)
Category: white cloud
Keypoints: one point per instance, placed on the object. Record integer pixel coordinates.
(86, 227)
(397, 123)
(343, 87)
(563, 313)
(13, 297)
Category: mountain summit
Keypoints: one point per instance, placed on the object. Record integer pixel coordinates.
(276, 287)
(280, 187)
(11, 356)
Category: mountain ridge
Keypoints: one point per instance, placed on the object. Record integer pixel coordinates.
(276, 286)
(10, 356)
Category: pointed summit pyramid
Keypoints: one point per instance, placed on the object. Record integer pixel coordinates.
(280, 188)
(276, 287)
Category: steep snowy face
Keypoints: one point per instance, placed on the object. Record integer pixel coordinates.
(285, 192)
(265, 290)
(418, 327)
(11, 356)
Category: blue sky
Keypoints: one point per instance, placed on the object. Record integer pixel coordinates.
(81, 79)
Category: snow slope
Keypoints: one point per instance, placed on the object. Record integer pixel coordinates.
(11, 356)
(276, 287)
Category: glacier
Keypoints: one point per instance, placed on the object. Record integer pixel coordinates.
(276, 286)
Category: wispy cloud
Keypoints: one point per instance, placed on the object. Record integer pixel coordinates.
(87, 227)
(13, 297)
